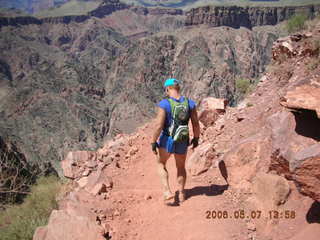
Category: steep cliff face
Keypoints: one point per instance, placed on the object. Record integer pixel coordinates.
(246, 17)
(156, 11)
(17, 21)
(107, 7)
(70, 86)
(207, 60)
(53, 87)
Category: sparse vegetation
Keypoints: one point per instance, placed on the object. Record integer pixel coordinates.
(249, 105)
(313, 65)
(16, 176)
(18, 222)
(242, 85)
(296, 23)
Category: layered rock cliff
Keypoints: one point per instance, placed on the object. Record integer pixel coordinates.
(246, 17)
(213, 16)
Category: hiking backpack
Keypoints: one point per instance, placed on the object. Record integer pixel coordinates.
(179, 129)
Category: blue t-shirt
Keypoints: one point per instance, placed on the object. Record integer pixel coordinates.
(165, 104)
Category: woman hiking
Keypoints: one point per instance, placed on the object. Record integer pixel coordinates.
(174, 113)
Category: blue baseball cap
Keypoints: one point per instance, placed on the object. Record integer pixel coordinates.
(171, 82)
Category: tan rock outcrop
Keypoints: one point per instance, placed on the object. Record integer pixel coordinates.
(201, 159)
(270, 190)
(64, 226)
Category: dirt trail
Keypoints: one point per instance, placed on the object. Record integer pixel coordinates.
(144, 216)
(132, 208)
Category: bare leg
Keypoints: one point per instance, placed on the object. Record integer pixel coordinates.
(162, 170)
(181, 174)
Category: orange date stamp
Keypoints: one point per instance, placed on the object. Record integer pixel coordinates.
(252, 214)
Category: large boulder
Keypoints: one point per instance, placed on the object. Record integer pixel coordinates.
(306, 171)
(201, 159)
(246, 158)
(296, 135)
(270, 190)
(210, 110)
(287, 141)
(64, 226)
(96, 183)
(303, 97)
(293, 46)
(71, 165)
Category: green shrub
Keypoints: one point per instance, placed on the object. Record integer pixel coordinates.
(242, 86)
(249, 105)
(18, 222)
(296, 23)
(313, 64)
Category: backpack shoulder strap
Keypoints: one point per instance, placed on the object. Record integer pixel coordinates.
(172, 104)
(186, 102)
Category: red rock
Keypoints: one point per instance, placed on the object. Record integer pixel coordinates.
(40, 233)
(201, 159)
(64, 226)
(98, 183)
(91, 164)
(86, 172)
(295, 156)
(103, 152)
(83, 182)
(108, 159)
(147, 197)
(271, 190)
(214, 103)
(98, 188)
(73, 160)
(210, 110)
(116, 213)
(246, 158)
(303, 97)
(293, 46)
(306, 170)
(133, 150)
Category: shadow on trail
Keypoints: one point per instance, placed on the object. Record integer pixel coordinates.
(211, 190)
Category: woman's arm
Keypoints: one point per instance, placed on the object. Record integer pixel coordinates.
(161, 116)
(195, 123)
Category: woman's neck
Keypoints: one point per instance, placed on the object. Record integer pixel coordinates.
(175, 95)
